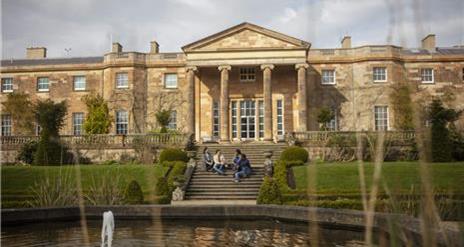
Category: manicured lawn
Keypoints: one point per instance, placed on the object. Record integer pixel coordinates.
(17, 180)
(343, 178)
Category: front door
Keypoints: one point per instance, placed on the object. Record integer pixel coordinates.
(247, 119)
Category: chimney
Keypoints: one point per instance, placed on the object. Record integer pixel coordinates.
(346, 42)
(116, 47)
(36, 52)
(154, 47)
(428, 42)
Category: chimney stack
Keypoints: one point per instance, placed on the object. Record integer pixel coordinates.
(116, 48)
(346, 42)
(428, 42)
(154, 47)
(36, 52)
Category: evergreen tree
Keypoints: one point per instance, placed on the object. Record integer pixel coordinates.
(98, 120)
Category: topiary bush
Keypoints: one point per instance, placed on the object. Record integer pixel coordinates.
(294, 153)
(280, 175)
(133, 193)
(27, 152)
(173, 154)
(269, 193)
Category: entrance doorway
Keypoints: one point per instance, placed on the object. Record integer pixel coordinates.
(248, 119)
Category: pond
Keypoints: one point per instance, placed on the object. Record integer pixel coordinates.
(178, 233)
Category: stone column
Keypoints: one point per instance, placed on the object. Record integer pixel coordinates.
(267, 101)
(190, 117)
(302, 97)
(224, 103)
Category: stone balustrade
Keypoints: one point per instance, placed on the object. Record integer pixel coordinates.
(101, 141)
(319, 137)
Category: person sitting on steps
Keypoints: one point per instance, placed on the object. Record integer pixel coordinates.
(219, 162)
(236, 160)
(244, 168)
(208, 158)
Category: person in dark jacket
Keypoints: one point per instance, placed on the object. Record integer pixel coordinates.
(244, 168)
(208, 158)
(236, 160)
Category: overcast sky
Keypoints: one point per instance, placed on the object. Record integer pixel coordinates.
(88, 26)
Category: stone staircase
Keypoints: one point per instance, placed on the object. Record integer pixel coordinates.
(210, 188)
(253, 151)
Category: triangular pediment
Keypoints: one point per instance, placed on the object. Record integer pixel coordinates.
(246, 36)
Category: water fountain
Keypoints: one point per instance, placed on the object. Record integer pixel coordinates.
(107, 228)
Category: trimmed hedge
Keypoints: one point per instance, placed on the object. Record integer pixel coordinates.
(295, 153)
(165, 185)
(173, 154)
(280, 175)
(133, 193)
(269, 193)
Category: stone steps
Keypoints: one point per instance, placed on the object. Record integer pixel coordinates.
(210, 188)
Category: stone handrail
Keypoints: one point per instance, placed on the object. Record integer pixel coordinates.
(102, 141)
(322, 136)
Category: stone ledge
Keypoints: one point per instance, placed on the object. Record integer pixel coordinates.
(336, 218)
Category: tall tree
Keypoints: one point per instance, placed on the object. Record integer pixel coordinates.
(20, 107)
(440, 117)
(50, 117)
(98, 119)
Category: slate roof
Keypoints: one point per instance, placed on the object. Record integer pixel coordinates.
(458, 50)
(51, 61)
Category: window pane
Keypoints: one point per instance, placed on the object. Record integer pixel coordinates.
(328, 76)
(247, 74)
(78, 121)
(427, 75)
(280, 119)
(79, 83)
(173, 121)
(42, 84)
(122, 80)
(381, 117)
(7, 84)
(122, 121)
(170, 80)
(380, 74)
(6, 125)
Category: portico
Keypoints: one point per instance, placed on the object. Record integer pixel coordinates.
(247, 83)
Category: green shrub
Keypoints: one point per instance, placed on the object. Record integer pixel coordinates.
(294, 153)
(280, 175)
(165, 185)
(27, 152)
(51, 152)
(173, 154)
(133, 193)
(269, 193)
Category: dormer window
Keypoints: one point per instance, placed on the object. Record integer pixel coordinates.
(247, 74)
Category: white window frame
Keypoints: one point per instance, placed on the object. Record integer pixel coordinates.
(167, 80)
(376, 127)
(75, 81)
(172, 120)
(374, 74)
(120, 82)
(247, 74)
(234, 119)
(78, 123)
(323, 76)
(10, 85)
(216, 130)
(122, 122)
(7, 125)
(40, 82)
(280, 117)
(432, 75)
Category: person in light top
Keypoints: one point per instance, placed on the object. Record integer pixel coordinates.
(219, 162)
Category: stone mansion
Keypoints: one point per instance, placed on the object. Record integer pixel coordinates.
(244, 83)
